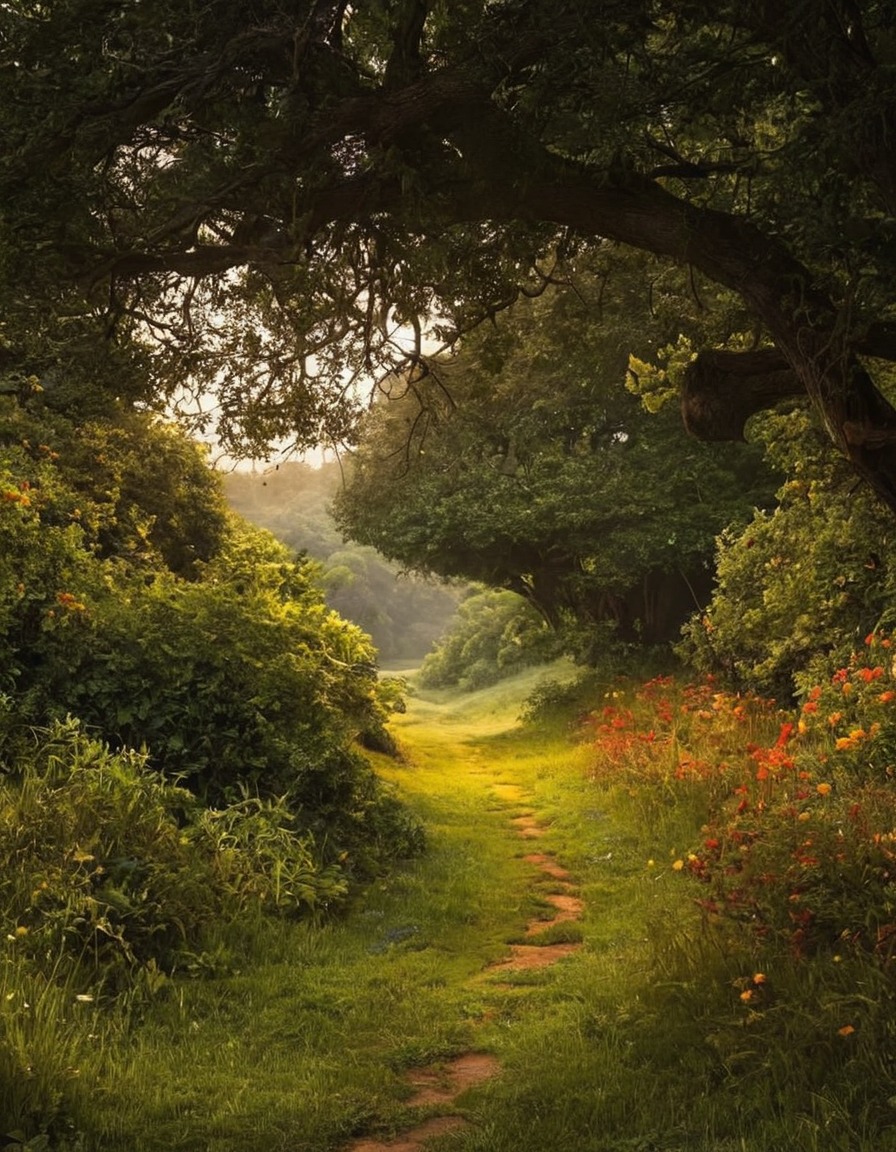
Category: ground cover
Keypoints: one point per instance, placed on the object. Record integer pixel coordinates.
(609, 836)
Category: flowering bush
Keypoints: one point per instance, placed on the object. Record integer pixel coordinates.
(798, 839)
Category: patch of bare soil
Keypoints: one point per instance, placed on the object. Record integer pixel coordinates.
(414, 1139)
(567, 908)
(442, 1085)
(547, 864)
(525, 956)
(528, 827)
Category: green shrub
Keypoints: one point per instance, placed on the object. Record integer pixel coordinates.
(494, 634)
(107, 862)
(808, 579)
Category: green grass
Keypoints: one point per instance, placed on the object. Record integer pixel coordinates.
(637, 1042)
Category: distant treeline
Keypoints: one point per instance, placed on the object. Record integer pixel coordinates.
(404, 614)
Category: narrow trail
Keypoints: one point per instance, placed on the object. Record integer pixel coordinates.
(438, 1088)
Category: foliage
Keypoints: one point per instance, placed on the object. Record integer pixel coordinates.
(795, 853)
(494, 635)
(274, 209)
(523, 464)
(137, 488)
(113, 879)
(803, 582)
(239, 677)
(401, 613)
(206, 645)
(106, 862)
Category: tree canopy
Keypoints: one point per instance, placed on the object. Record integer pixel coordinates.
(278, 194)
(524, 463)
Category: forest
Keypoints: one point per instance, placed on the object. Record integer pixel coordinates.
(447, 575)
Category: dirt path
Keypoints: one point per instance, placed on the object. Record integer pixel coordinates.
(439, 1088)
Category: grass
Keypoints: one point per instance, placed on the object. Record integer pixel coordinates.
(639, 1042)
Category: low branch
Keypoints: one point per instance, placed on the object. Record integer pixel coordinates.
(722, 390)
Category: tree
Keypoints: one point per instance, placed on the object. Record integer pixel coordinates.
(271, 191)
(524, 464)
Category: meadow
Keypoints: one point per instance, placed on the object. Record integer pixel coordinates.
(732, 991)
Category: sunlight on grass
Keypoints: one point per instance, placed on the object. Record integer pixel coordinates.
(662, 1031)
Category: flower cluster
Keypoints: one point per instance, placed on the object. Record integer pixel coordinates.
(799, 841)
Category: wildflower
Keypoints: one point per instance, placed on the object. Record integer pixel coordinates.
(823, 789)
(678, 865)
(847, 689)
(760, 978)
(835, 718)
(810, 706)
(886, 697)
(846, 1030)
(21, 930)
(858, 734)
(843, 744)
(747, 996)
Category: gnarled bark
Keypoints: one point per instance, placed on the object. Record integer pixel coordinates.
(722, 390)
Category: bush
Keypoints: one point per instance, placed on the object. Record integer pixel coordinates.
(494, 634)
(806, 580)
(105, 861)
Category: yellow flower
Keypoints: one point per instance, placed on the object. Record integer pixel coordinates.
(21, 930)
(823, 789)
(804, 816)
(843, 744)
(678, 865)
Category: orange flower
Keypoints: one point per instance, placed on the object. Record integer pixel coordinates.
(747, 996)
(835, 718)
(844, 744)
(846, 1030)
(823, 789)
(886, 697)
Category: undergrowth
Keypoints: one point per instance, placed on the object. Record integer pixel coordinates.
(733, 992)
